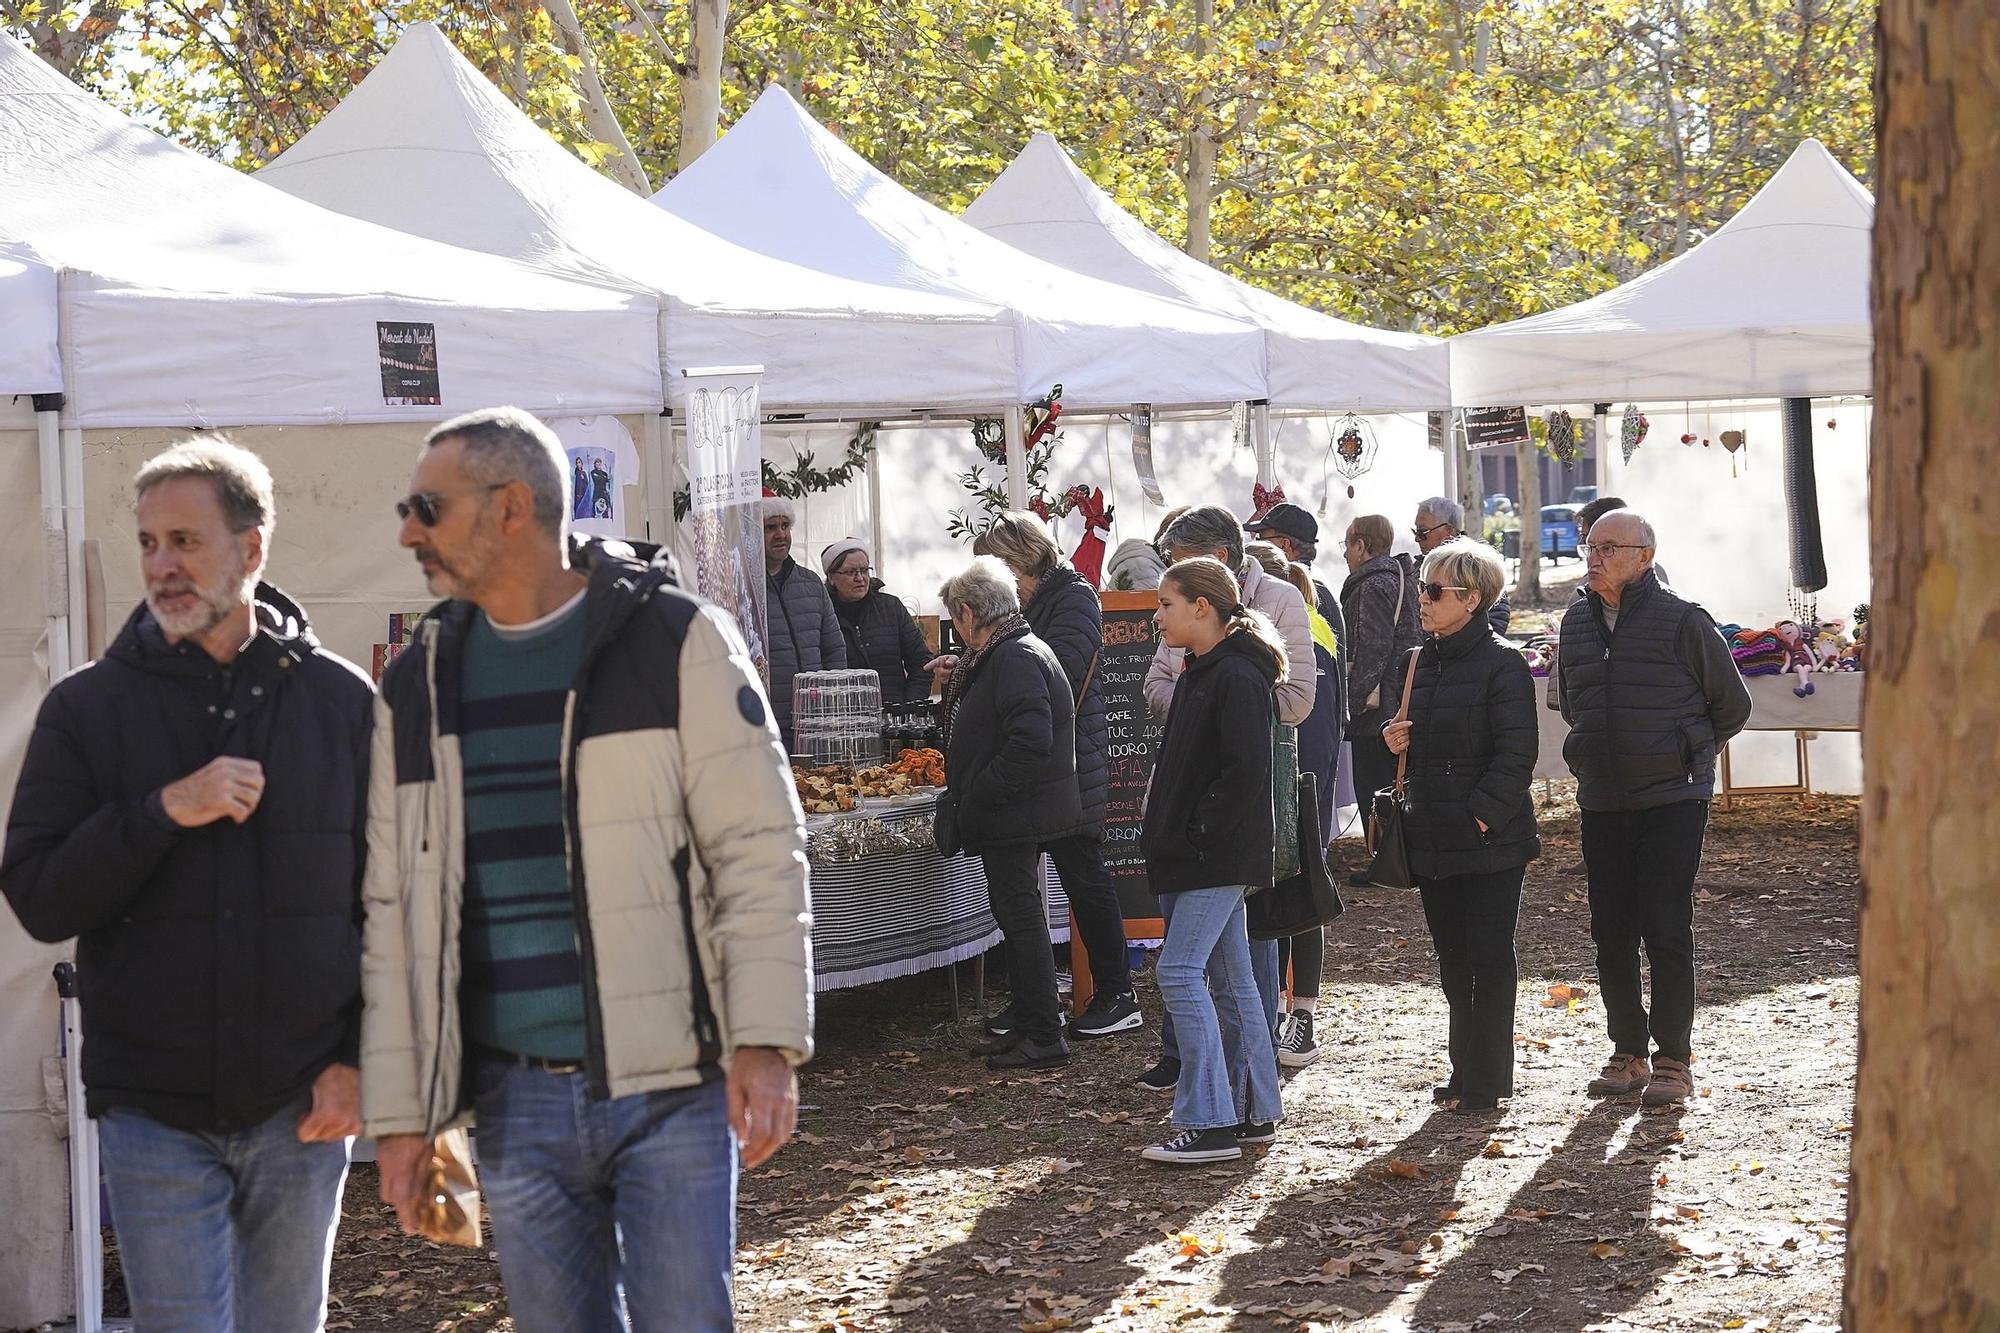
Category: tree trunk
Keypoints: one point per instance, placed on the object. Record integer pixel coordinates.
(1528, 581)
(1200, 176)
(597, 114)
(1924, 1205)
(701, 85)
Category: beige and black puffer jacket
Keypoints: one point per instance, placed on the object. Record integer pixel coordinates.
(686, 854)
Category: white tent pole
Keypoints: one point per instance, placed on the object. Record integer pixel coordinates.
(875, 550)
(86, 1228)
(1610, 457)
(72, 478)
(1017, 457)
(659, 481)
(55, 542)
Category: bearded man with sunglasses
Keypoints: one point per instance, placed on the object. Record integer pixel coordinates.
(1651, 695)
(191, 812)
(587, 920)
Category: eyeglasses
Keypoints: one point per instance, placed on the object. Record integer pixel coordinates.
(424, 504)
(1607, 549)
(1421, 533)
(1435, 592)
(864, 572)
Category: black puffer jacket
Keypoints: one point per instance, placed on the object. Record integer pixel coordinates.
(1067, 616)
(1011, 760)
(219, 966)
(804, 634)
(882, 637)
(1472, 756)
(1209, 819)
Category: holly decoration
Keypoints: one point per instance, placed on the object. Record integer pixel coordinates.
(802, 478)
(989, 437)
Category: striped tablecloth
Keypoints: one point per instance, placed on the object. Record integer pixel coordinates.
(892, 913)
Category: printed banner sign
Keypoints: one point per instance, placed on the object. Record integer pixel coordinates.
(1142, 453)
(408, 353)
(1495, 427)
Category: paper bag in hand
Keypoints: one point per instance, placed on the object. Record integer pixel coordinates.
(449, 1211)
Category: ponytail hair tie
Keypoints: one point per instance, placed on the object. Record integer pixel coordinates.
(1239, 611)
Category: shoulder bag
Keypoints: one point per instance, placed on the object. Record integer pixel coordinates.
(1390, 866)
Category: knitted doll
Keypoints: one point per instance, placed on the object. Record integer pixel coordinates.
(1798, 656)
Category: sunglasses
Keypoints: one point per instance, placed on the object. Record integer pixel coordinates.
(1421, 533)
(1435, 592)
(424, 504)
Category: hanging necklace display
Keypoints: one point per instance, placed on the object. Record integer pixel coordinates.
(1351, 450)
(1565, 446)
(1632, 428)
(1805, 606)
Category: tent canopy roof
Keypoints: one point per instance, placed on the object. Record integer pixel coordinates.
(426, 144)
(783, 185)
(193, 295)
(29, 359)
(1774, 304)
(1045, 205)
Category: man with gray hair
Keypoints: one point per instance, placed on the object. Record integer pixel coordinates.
(1651, 696)
(191, 813)
(587, 919)
(1440, 519)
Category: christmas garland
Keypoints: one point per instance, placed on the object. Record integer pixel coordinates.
(802, 477)
(990, 439)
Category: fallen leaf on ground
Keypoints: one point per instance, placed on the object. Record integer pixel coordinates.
(1605, 1250)
(1507, 1275)
(1406, 1170)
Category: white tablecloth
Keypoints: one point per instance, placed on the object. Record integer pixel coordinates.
(1834, 705)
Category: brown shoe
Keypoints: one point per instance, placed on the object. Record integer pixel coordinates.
(1626, 1074)
(1671, 1084)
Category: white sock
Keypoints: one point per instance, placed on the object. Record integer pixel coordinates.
(1305, 1004)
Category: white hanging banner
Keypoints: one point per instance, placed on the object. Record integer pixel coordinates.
(1142, 453)
(725, 463)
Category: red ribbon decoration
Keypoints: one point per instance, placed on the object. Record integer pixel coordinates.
(1043, 424)
(1089, 557)
(1264, 500)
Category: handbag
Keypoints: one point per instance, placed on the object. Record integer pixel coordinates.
(1390, 866)
(449, 1211)
(944, 824)
(1284, 801)
(1307, 900)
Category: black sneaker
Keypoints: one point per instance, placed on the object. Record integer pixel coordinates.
(1001, 1024)
(1161, 1077)
(1108, 1012)
(1192, 1147)
(1298, 1049)
(994, 1045)
(1031, 1054)
(1261, 1131)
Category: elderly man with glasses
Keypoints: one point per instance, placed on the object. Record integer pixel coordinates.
(1651, 695)
(1438, 521)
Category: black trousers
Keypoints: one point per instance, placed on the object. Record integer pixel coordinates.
(1641, 865)
(1472, 919)
(1014, 889)
(1305, 954)
(1093, 900)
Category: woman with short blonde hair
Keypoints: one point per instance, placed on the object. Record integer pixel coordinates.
(1021, 541)
(1469, 823)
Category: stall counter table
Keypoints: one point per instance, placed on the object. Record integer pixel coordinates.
(885, 904)
(1834, 705)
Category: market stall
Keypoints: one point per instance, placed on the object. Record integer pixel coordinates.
(784, 185)
(1043, 205)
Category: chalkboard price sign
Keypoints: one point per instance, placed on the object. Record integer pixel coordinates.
(1132, 739)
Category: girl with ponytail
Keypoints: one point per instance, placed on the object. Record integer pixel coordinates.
(1208, 838)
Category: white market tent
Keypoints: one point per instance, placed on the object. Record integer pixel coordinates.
(783, 185)
(29, 361)
(192, 295)
(426, 144)
(1774, 304)
(1044, 204)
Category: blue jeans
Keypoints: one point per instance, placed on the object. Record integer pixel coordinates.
(1229, 1073)
(1263, 961)
(223, 1233)
(608, 1215)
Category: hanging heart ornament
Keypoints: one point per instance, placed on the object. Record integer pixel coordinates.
(1732, 440)
(1632, 428)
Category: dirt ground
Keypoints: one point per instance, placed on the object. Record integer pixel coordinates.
(924, 1193)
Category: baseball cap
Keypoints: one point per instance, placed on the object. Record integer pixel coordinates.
(1290, 519)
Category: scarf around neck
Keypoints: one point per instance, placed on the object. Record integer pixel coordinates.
(1010, 626)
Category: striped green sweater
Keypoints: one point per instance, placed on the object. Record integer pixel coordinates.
(523, 975)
